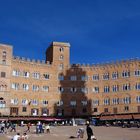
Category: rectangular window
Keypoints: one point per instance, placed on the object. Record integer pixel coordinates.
(45, 112)
(60, 77)
(25, 87)
(84, 78)
(125, 74)
(115, 110)
(36, 75)
(4, 53)
(126, 108)
(34, 111)
(46, 76)
(14, 101)
(45, 102)
(84, 90)
(115, 101)
(46, 88)
(84, 103)
(105, 110)
(61, 49)
(138, 99)
(127, 100)
(34, 102)
(106, 89)
(3, 74)
(95, 89)
(138, 109)
(137, 86)
(24, 109)
(95, 102)
(95, 110)
(15, 86)
(126, 87)
(26, 74)
(13, 111)
(73, 78)
(95, 77)
(60, 89)
(137, 72)
(115, 75)
(3, 87)
(61, 67)
(106, 76)
(24, 101)
(59, 103)
(2, 104)
(35, 88)
(3, 61)
(73, 89)
(16, 73)
(107, 101)
(72, 103)
(115, 88)
(61, 57)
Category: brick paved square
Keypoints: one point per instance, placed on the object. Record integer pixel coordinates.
(64, 132)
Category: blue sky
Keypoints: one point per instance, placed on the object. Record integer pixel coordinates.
(98, 30)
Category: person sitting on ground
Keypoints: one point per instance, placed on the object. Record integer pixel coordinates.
(24, 136)
(16, 137)
(78, 133)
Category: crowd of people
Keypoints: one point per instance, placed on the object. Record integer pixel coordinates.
(20, 137)
(7, 127)
(42, 128)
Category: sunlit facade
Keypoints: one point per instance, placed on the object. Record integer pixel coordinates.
(54, 87)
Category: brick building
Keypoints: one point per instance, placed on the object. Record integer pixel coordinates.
(55, 88)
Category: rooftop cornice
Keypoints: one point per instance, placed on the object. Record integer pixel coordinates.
(119, 62)
(66, 44)
(23, 59)
(6, 45)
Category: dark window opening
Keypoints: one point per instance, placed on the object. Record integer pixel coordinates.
(3, 74)
(24, 109)
(95, 110)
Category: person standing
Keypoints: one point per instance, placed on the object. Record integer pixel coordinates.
(89, 131)
(47, 128)
(24, 136)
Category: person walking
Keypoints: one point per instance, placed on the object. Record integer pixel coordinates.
(89, 131)
(13, 127)
(28, 127)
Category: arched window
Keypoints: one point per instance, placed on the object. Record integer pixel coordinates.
(2, 103)
(61, 49)
(3, 86)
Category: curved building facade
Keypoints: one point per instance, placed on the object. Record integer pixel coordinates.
(54, 87)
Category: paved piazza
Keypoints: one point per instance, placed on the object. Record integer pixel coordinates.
(64, 132)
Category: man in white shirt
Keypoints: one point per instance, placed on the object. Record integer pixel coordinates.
(17, 137)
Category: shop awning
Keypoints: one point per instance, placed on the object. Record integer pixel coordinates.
(136, 116)
(116, 117)
(30, 119)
